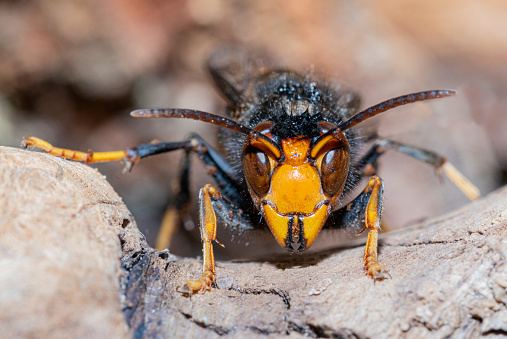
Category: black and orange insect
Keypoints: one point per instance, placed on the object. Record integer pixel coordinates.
(293, 156)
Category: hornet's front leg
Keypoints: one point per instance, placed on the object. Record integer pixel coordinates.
(375, 189)
(364, 212)
(208, 223)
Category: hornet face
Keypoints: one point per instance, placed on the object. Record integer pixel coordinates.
(295, 183)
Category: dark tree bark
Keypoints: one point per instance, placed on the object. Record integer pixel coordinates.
(75, 264)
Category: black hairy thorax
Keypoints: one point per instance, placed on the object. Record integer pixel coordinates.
(295, 104)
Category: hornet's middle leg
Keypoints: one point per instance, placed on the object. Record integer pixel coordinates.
(368, 164)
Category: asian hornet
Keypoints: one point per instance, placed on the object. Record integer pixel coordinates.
(292, 157)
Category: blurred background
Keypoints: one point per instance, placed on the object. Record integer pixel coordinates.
(72, 70)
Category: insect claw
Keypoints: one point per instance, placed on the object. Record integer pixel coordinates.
(364, 229)
(383, 274)
(200, 286)
(130, 160)
(25, 143)
(184, 289)
(128, 166)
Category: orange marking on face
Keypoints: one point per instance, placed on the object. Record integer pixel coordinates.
(313, 223)
(295, 150)
(295, 183)
(266, 146)
(277, 223)
(295, 195)
(295, 189)
(317, 148)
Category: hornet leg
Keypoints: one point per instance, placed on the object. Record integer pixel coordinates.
(373, 213)
(208, 223)
(364, 212)
(368, 163)
(216, 165)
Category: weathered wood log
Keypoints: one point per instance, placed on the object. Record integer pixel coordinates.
(60, 230)
(75, 264)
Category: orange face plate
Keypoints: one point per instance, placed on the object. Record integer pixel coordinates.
(295, 206)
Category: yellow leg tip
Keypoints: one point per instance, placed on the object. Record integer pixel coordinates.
(35, 142)
(199, 286)
(458, 179)
(375, 270)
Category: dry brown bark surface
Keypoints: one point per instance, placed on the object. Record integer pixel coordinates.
(74, 264)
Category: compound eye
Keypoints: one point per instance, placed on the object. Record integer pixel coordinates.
(257, 169)
(334, 170)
